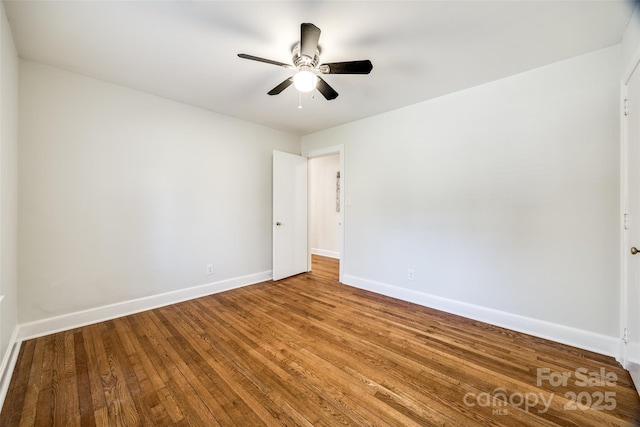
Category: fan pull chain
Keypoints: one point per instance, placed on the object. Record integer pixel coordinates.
(299, 100)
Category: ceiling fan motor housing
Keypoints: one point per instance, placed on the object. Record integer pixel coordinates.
(303, 61)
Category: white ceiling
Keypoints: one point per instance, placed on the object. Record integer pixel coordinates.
(187, 51)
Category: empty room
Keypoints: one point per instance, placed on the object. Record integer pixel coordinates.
(319, 213)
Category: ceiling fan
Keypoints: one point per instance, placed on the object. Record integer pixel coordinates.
(306, 58)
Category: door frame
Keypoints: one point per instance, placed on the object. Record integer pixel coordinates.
(322, 152)
(624, 236)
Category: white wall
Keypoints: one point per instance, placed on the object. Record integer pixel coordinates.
(8, 188)
(324, 220)
(124, 195)
(503, 198)
(631, 41)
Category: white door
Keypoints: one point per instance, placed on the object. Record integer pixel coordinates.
(289, 215)
(631, 295)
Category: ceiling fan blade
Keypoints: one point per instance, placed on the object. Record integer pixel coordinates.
(282, 86)
(309, 36)
(327, 91)
(268, 61)
(349, 67)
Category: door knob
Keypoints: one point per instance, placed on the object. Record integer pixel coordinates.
(634, 250)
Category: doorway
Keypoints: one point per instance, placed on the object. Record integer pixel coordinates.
(326, 208)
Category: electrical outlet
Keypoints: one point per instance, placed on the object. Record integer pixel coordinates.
(209, 269)
(411, 274)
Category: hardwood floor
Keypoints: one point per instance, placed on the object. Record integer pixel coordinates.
(308, 351)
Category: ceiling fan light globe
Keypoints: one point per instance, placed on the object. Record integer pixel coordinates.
(305, 81)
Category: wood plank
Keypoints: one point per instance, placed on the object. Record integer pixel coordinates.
(87, 417)
(306, 351)
(45, 407)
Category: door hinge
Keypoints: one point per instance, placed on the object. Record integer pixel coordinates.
(625, 107)
(625, 335)
(625, 221)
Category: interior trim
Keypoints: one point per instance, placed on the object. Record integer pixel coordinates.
(98, 314)
(586, 340)
(8, 364)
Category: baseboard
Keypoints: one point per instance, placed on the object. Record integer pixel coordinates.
(86, 317)
(634, 371)
(633, 362)
(8, 364)
(324, 252)
(586, 340)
